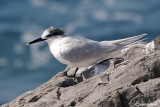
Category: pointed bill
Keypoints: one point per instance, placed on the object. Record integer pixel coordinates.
(35, 41)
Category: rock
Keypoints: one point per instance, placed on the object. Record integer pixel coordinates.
(157, 43)
(80, 71)
(134, 81)
(150, 47)
(71, 72)
(153, 45)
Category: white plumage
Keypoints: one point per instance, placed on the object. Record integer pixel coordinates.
(82, 52)
(78, 51)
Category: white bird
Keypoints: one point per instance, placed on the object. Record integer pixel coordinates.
(77, 51)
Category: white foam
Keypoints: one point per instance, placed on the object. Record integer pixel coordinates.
(109, 3)
(54, 6)
(27, 36)
(127, 16)
(18, 48)
(38, 57)
(100, 15)
(40, 3)
(3, 62)
(80, 22)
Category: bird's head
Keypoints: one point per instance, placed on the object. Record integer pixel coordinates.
(49, 33)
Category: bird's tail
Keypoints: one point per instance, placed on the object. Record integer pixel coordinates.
(125, 41)
(129, 40)
(117, 44)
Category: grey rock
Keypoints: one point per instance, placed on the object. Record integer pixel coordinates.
(80, 71)
(153, 45)
(157, 43)
(72, 72)
(129, 83)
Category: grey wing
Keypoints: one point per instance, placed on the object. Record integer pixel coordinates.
(82, 49)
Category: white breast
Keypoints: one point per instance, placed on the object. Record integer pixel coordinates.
(57, 47)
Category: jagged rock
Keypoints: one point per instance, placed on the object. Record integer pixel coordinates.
(153, 45)
(71, 72)
(80, 71)
(157, 43)
(129, 83)
(150, 47)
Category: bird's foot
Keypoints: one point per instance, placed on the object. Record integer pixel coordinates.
(71, 72)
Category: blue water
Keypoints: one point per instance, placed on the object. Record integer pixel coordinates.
(23, 68)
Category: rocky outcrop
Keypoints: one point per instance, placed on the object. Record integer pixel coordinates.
(128, 78)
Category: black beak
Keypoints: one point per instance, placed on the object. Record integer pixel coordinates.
(35, 41)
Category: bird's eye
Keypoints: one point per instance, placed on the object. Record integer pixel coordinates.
(49, 35)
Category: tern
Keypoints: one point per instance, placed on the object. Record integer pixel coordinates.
(78, 51)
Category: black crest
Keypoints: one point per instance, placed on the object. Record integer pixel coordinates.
(55, 31)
